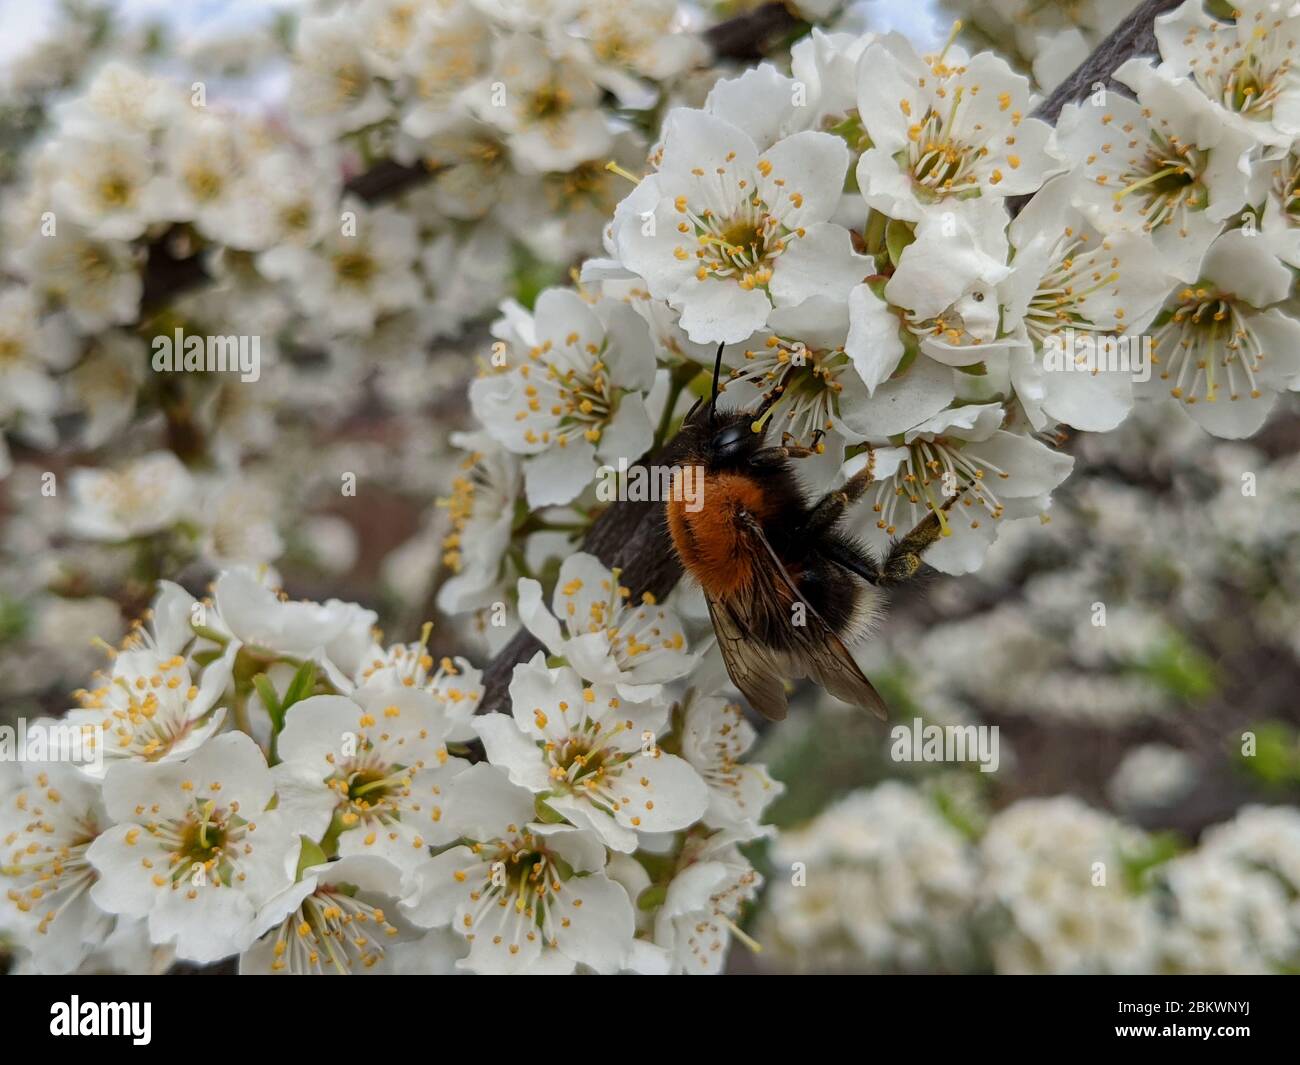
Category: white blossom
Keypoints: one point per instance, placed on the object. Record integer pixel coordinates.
(194, 847)
(592, 756)
(47, 823)
(375, 764)
(724, 232)
(945, 126)
(572, 391)
(527, 897)
(1245, 70)
(714, 738)
(337, 918)
(697, 920)
(144, 496)
(962, 452)
(1220, 348)
(602, 634)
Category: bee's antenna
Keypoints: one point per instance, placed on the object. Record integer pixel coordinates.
(717, 369)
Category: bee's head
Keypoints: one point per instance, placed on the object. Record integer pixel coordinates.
(718, 438)
(732, 440)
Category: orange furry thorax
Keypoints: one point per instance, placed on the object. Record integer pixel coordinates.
(708, 540)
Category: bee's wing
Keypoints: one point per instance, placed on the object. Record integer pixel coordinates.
(752, 667)
(816, 651)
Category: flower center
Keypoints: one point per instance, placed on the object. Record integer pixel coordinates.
(354, 267)
(1059, 301)
(204, 182)
(47, 855)
(806, 383)
(519, 878)
(207, 838)
(331, 929)
(932, 473)
(742, 246)
(1245, 77)
(349, 82)
(93, 264)
(1166, 180)
(574, 394)
(114, 191)
(1206, 344)
(375, 791)
(548, 103)
(204, 839)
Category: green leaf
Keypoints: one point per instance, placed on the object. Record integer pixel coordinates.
(1160, 848)
(1276, 758)
(266, 690)
(1181, 669)
(874, 235)
(652, 897)
(898, 235)
(532, 276)
(210, 634)
(311, 855)
(14, 619)
(304, 681)
(546, 814)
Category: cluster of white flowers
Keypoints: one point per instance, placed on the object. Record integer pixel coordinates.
(262, 778)
(884, 241)
(845, 232)
(879, 875)
(1111, 616)
(1055, 878)
(509, 113)
(882, 881)
(514, 108)
(1233, 900)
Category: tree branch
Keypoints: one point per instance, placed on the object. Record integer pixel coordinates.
(632, 535)
(751, 35)
(1135, 36)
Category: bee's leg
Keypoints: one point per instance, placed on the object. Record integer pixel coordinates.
(855, 561)
(774, 456)
(831, 507)
(904, 558)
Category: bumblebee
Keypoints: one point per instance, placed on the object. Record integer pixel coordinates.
(785, 587)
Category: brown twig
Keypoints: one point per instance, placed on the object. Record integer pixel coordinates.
(1135, 36)
(753, 34)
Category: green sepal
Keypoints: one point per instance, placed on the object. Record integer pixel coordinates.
(311, 854)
